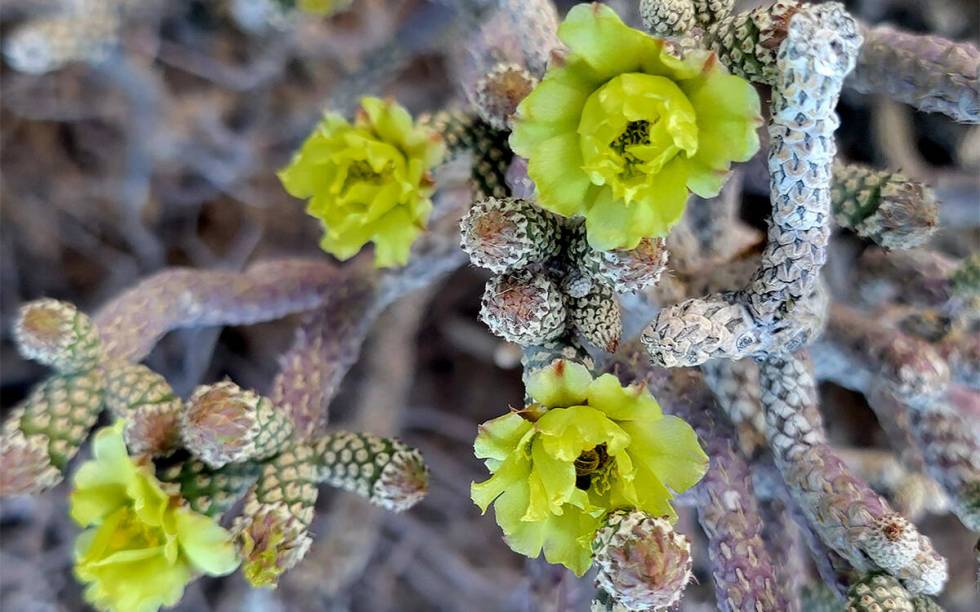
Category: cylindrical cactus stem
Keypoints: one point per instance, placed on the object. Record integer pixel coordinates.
(668, 17)
(272, 531)
(385, 471)
(929, 73)
(846, 514)
(58, 335)
(878, 592)
(857, 350)
(524, 306)
(949, 446)
(149, 405)
(728, 512)
(208, 491)
(499, 91)
(503, 235)
(597, 317)
(223, 423)
(641, 561)
(131, 323)
(912, 492)
(888, 208)
(47, 429)
(807, 49)
(735, 385)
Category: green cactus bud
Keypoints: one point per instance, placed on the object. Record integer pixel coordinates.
(150, 407)
(47, 429)
(643, 564)
(878, 593)
(223, 423)
(888, 208)
(524, 307)
(208, 491)
(491, 159)
(503, 235)
(383, 470)
(491, 152)
(458, 130)
(273, 530)
(625, 270)
(58, 335)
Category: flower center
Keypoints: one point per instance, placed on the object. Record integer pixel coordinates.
(631, 128)
(636, 132)
(592, 468)
(131, 533)
(360, 171)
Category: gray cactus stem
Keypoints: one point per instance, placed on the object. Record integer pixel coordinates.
(847, 515)
(930, 73)
(817, 46)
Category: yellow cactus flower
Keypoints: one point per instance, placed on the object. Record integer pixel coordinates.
(624, 127)
(586, 447)
(141, 546)
(368, 181)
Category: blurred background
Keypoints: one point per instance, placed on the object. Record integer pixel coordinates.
(164, 154)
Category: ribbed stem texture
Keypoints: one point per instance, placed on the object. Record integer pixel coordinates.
(929, 73)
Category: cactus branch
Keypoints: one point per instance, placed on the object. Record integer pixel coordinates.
(814, 47)
(848, 516)
(929, 73)
(132, 323)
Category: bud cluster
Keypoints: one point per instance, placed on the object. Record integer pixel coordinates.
(548, 280)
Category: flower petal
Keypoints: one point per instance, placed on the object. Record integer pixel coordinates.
(632, 403)
(555, 166)
(499, 437)
(670, 449)
(562, 383)
(206, 544)
(596, 34)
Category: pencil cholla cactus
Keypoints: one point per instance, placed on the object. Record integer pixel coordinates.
(45, 431)
(223, 423)
(384, 471)
(641, 561)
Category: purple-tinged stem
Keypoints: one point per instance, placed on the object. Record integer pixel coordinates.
(847, 515)
(929, 73)
(742, 570)
(131, 324)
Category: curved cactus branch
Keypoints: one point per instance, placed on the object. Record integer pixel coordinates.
(804, 51)
(847, 515)
(131, 324)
